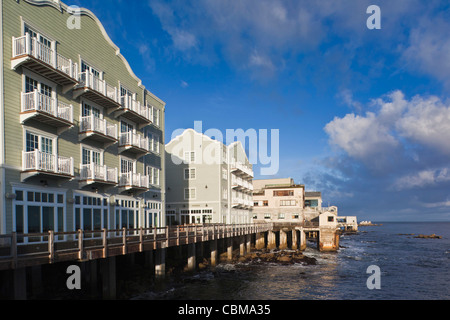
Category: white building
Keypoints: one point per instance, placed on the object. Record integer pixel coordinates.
(207, 181)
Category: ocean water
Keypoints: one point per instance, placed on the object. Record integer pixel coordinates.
(411, 269)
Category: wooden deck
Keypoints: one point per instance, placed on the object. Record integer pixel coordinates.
(22, 250)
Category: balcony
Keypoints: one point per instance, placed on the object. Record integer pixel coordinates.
(134, 111)
(37, 163)
(30, 53)
(242, 170)
(47, 110)
(237, 203)
(97, 129)
(135, 183)
(238, 183)
(96, 175)
(133, 143)
(97, 90)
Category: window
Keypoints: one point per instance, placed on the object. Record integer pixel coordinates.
(153, 175)
(224, 174)
(189, 193)
(125, 92)
(152, 214)
(91, 214)
(32, 85)
(283, 193)
(312, 203)
(91, 156)
(330, 219)
(126, 96)
(38, 211)
(265, 203)
(224, 194)
(156, 114)
(155, 142)
(126, 166)
(35, 141)
(189, 174)
(35, 34)
(89, 110)
(288, 203)
(256, 203)
(127, 214)
(86, 67)
(281, 216)
(267, 216)
(189, 157)
(126, 127)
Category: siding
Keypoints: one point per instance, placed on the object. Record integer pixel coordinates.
(87, 43)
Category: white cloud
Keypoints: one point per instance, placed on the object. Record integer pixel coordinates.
(362, 137)
(427, 122)
(425, 178)
(423, 121)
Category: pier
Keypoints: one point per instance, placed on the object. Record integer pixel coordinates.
(23, 255)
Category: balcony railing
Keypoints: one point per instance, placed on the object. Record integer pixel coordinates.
(51, 163)
(99, 173)
(241, 168)
(37, 102)
(135, 180)
(95, 124)
(130, 139)
(239, 183)
(135, 110)
(90, 80)
(30, 46)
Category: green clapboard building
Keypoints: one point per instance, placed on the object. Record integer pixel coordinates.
(81, 138)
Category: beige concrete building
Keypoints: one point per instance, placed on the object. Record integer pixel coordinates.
(278, 200)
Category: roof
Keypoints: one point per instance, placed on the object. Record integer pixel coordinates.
(313, 194)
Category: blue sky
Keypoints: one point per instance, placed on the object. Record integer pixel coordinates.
(364, 115)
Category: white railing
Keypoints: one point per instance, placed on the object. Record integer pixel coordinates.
(133, 139)
(129, 103)
(244, 168)
(40, 161)
(97, 172)
(27, 45)
(131, 179)
(35, 101)
(93, 123)
(90, 80)
(239, 182)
